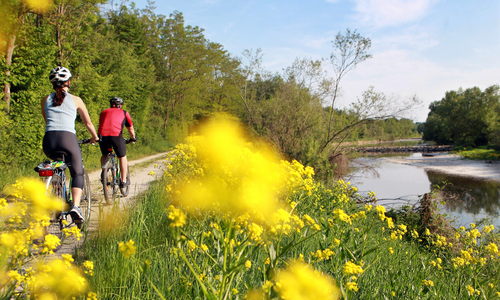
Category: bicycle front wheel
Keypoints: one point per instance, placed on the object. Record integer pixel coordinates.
(108, 183)
(126, 189)
(86, 201)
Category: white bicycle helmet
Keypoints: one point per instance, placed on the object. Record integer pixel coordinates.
(59, 74)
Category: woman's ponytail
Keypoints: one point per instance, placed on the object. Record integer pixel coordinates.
(60, 93)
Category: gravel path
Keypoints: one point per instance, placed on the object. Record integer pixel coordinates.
(141, 177)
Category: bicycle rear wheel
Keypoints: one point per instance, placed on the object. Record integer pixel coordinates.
(126, 189)
(55, 227)
(108, 183)
(86, 201)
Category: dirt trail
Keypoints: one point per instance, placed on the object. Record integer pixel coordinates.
(141, 176)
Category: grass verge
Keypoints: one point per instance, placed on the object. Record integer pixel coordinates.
(394, 260)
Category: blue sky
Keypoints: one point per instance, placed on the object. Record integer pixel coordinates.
(419, 47)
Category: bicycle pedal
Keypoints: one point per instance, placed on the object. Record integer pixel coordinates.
(79, 224)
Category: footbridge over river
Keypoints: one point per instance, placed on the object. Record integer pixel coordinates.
(406, 149)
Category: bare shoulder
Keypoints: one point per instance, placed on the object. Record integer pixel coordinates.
(78, 101)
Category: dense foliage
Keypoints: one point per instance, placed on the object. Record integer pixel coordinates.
(171, 77)
(465, 118)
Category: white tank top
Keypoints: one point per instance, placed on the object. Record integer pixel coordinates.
(62, 117)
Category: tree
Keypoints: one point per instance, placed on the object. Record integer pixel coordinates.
(71, 21)
(13, 14)
(348, 51)
(465, 118)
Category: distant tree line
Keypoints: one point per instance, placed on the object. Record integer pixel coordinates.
(171, 76)
(467, 118)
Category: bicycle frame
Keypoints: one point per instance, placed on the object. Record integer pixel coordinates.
(111, 177)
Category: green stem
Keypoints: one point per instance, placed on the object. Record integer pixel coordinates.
(224, 264)
(197, 277)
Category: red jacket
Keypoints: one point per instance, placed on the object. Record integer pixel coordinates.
(111, 121)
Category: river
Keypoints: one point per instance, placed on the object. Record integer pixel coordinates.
(469, 199)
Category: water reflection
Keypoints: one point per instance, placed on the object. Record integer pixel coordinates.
(397, 184)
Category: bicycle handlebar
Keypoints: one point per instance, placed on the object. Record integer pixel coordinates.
(130, 140)
(85, 141)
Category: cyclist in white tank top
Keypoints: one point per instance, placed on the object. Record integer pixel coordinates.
(59, 111)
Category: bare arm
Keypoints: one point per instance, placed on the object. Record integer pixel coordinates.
(84, 115)
(43, 108)
(131, 132)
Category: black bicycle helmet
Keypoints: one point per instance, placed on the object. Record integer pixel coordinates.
(116, 101)
(59, 75)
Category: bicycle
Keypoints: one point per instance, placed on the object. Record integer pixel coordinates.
(54, 174)
(110, 176)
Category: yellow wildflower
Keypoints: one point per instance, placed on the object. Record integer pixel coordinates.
(89, 267)
(300, 281)
(127, 249)
(352, 286)
(177, 216)
(470, 290)
(492, 248)
(428, 282)
(352, 268)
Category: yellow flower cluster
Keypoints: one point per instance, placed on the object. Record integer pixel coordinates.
(427, 282)
(381, 212)
(73, 231)
(437, 263)
(255, 231)
(218, 169)
(300, 281)
(472, 291)
(398, 232)
(344, 191)
(299, 178)
(351, 268)
(89, 267)
(323, 255)
(352, 286)
(177, 216)
(22, 222)
(342, 216)
(284, 223)
(127, 249)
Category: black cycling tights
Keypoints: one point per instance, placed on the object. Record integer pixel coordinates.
(65, 141)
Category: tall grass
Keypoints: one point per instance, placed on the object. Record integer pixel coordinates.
(317, 239)
(480, 153)
(401, 268)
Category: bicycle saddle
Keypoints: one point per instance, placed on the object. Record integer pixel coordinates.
(59, 155)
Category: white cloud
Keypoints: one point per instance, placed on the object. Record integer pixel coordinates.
(381, 13)
(318, 43)
(403, 73)
(416, 38)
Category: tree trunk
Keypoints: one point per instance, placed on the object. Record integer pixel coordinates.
(8, 62)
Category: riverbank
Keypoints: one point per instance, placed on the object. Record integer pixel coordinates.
(453, 164)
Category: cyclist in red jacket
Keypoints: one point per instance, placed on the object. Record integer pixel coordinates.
(111, 122)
